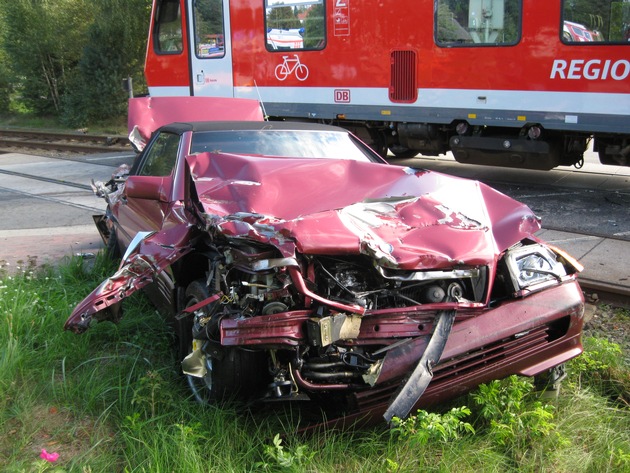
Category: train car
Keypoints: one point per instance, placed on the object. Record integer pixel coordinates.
(518, 83)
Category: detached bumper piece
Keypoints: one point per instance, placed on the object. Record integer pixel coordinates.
(422, 375)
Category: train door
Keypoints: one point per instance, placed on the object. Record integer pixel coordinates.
(210, 48)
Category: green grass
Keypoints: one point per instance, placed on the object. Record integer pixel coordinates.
(111, 400)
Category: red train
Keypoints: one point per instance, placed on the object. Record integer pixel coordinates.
(519, 83)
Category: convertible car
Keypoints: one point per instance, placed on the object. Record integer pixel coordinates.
(294, 263)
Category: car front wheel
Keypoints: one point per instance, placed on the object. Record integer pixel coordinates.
(229, 373)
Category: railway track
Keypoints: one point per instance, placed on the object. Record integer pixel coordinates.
(604, 292)
(25, 141)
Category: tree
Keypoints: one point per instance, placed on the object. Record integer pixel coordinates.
(315, 27)
(42, 43)
(453, 22)
(5, 73)
(594, 14)
(282, 18)
(68, 57)
(114, 50)
(210, 17)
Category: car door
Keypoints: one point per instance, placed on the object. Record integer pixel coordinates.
(147, 193)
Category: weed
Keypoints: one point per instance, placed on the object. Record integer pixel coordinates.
(601, 367)
(44, 466)
(151, 394)
(425, 426)
(511, 417)
(282, 458)
(417, 431)
(599, 355)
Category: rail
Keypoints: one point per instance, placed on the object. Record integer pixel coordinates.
(12, 139)
(601, 291)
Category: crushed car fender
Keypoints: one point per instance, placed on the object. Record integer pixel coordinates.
(139, 268)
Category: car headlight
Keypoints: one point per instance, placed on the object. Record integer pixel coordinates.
(533, 264)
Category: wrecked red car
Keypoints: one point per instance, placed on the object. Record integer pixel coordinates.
(296, 264)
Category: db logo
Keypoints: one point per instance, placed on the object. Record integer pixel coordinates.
(342, 96)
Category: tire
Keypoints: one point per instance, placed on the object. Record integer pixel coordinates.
(236, 374)
(112, 249)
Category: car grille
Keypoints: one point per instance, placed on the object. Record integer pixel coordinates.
(459, 374)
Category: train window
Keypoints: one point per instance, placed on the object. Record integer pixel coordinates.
(604, 22)
(478, 22)
(209, 32)
(168, 28)
(295, 25)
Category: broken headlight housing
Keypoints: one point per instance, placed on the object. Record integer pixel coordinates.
(532, 265)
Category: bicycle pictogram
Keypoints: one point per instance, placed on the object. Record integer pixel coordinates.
(289, 66)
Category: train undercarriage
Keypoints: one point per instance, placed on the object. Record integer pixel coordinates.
(527, 147)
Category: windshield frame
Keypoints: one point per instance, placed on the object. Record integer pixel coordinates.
(282, 143)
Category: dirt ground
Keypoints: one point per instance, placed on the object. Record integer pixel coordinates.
(609, 322)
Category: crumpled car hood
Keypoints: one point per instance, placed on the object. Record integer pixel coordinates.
(402, 217)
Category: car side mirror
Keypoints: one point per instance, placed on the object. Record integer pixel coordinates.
(148, 187)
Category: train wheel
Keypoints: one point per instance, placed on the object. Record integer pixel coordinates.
(378, 142)
(403, 153)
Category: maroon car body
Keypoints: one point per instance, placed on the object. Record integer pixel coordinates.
(295, 263)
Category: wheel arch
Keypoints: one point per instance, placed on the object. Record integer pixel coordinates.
(190, 268)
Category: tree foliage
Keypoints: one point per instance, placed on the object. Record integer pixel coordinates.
(282, 18)
(66, 58)
(114, 50)
(604, 16)
(209, 18)
(5, 74)
(42, 42)
(454, 22)
(314, 26)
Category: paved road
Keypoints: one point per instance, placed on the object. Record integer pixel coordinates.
(48, 217)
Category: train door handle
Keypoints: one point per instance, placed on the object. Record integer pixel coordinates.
(200, 77)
